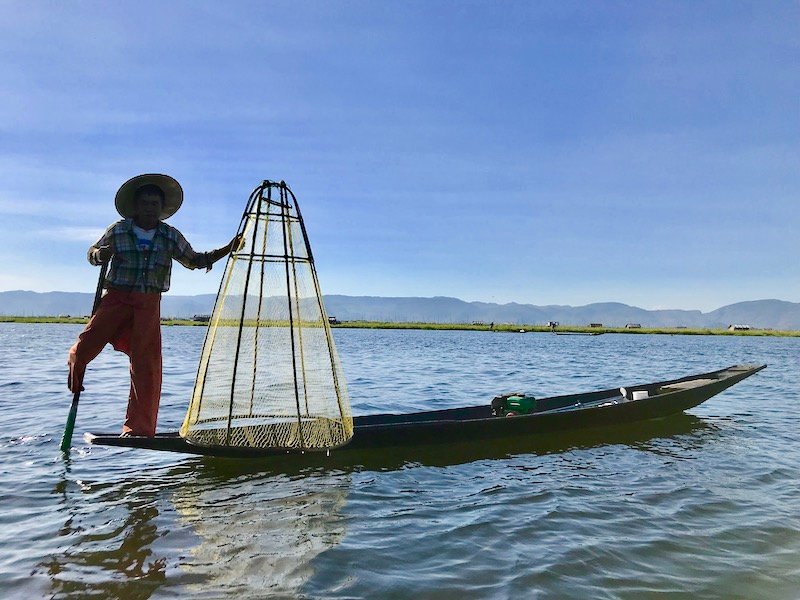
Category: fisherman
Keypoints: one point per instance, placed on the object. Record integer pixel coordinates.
(141, 248)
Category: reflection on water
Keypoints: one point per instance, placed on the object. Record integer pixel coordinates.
(212, 527)
(455, 453)
(258, 532)
(115, 556)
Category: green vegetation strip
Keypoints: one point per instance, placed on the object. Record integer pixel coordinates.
(500, 328)
(514, 328)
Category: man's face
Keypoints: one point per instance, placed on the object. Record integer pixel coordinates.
(148, 208)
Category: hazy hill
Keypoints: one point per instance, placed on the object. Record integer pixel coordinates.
(774, 314)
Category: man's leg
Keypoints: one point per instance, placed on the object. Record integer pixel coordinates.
(110, 316)
(145, 354)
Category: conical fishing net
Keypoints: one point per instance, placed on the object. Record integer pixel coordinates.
(269, 375)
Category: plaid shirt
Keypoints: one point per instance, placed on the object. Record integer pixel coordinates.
(145, 270)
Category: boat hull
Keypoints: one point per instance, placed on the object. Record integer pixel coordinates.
(603, 408)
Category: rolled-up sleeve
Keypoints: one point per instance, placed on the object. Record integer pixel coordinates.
(185, 254)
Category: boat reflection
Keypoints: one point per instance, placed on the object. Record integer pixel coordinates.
(641, 435)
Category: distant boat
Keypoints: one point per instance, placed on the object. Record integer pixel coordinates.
(579, 333)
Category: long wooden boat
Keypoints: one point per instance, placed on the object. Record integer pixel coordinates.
(472, 424)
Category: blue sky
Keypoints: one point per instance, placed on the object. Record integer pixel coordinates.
(533, 152)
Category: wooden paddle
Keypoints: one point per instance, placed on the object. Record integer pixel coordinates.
(66, 440)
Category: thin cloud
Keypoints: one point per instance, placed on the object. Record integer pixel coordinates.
(73, 234)
(23, 207)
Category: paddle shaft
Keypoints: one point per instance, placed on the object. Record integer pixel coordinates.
(66, 440)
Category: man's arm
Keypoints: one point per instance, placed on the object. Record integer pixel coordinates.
(101, 251)
(195, 260)
(233, 246)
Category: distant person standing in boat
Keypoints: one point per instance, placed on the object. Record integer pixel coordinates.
(141, 248)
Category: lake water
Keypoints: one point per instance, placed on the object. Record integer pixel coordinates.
(703, 505)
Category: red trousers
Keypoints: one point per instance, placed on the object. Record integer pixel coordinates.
(131, 321)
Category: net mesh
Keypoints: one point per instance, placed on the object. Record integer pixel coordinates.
(269, 375)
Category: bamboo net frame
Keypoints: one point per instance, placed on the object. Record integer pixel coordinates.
(269, 375)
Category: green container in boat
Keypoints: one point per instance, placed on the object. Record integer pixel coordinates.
(521, 405)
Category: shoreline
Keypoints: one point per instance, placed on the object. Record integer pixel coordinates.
(500, 328)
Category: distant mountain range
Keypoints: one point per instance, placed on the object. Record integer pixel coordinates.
(768, 314)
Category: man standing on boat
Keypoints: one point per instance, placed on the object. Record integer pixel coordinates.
(141, 248)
